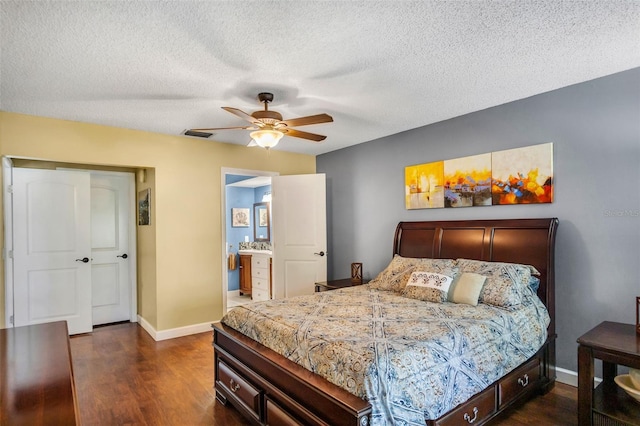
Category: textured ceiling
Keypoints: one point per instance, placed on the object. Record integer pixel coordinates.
(378, 68)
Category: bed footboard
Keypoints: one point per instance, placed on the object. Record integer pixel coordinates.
(269, 389)
(526, 381)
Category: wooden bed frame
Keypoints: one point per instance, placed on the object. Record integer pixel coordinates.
(267, 388)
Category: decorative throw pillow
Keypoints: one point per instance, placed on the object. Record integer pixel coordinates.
(505, 282)
(396, 282)
(466, 288)
(428, 286)
(395, 276)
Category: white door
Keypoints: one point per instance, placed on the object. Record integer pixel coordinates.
(52, 250)
(111, 258)
(298, 204)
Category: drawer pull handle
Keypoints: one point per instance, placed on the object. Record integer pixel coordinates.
(468, 418)
(233, 386)
(524, 382)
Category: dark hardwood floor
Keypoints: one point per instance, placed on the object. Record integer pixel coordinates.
(124, 377)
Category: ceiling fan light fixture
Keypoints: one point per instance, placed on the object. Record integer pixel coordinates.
(267, 138)
(269, 127)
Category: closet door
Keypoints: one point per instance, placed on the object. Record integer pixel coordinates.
(52, 248)
(111, 280)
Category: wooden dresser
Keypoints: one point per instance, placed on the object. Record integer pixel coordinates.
(36, 376)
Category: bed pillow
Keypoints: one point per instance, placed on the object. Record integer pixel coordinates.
(429, 286)
(534, 284)
(505, 284)
(395, 276)
(466, 288)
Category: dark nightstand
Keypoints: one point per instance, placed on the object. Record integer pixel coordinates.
(615, 344)
(334, 284)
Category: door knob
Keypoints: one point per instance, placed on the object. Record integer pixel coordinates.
(124, 256)
(319, 254)
(83, 260)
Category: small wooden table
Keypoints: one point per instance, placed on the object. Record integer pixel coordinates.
(36, 376)
(615, 344)
(334, 284)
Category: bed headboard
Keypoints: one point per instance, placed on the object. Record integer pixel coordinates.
(526, 241)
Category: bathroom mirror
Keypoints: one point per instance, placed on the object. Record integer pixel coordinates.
(261, 222)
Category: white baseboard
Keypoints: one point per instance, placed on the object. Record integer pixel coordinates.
(569, 377)
(172, 333)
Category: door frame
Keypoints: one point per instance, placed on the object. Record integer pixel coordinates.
(7, 252)
(224, 171)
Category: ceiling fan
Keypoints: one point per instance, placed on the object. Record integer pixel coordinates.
(269, 127)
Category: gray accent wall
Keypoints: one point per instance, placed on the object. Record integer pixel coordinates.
(595, 129)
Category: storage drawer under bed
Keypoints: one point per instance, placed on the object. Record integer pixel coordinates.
(475, 411)
(239, 389)
(518, 382)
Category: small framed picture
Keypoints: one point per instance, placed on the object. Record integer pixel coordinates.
(144, 207)
(240, 217)
(264, 217)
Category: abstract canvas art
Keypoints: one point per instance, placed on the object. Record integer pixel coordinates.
(424, 186)
(513, 176)
(467, 181)
(522, 175)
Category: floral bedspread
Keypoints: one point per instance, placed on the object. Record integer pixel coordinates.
(412, 360)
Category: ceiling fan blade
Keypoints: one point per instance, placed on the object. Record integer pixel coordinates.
(226, 128)
(310, 119)
(303, 135)
(242, 115)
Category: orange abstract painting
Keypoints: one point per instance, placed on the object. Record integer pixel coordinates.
(467, 181)
(424, 186)
(523, 175)
(513, 176)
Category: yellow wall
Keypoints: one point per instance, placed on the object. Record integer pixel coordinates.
(180, 255)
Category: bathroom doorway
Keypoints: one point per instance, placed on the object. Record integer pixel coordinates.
(241, 190)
